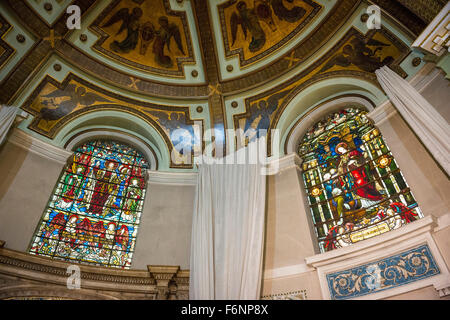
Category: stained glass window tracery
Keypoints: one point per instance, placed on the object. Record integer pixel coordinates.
(94, 211)
(354, 186)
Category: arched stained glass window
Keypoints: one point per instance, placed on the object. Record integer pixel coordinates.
(93, 214)
(353, 183)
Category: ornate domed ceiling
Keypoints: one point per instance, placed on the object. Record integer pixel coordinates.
(149, 67)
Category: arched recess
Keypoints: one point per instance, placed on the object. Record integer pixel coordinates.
(317, 99)
(354, 186)
(300, 127)
(121, 126)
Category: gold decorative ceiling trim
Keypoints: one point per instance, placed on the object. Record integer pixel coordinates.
(43, 20)
(235, 23)
(152, 33)
(48, 40)
(402, 14)
(6, 51)
(43, 49)
(126, 81)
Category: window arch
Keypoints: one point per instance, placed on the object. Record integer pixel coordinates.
(354, 186)
(94, 211)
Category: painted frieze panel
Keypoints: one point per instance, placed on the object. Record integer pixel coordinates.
(413, 265)
(54, 104)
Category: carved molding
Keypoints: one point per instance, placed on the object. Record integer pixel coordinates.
(435, 38)
(45, 275)
(39, 147)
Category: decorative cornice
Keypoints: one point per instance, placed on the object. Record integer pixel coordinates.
(275, 166)
(288, 271)
(173, 178)
(51, 274)
(434, 39)
(26, 262)
(37, 146)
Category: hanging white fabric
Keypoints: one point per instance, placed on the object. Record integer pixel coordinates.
(427, 123)
(228, 231)
(7, 116)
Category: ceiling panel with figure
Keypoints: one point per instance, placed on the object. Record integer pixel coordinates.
(54, 105)
(256, 28)
(146, 35)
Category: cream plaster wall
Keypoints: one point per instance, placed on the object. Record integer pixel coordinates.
(26, 183)
(308, 281)
(164, 236)
(288, 236)
(442, 238)
(438, 94)
(427, 180)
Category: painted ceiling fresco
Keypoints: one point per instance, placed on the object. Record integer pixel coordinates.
(254, 29)
(54, 104)
(146, 35)
(162, 61)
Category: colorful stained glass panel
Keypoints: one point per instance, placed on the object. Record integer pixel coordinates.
(354, 186)
(94, 211)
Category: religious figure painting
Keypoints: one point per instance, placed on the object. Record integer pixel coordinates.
(354, 185)
(256, 28)
(54, 104)
(94, 212)
(146, 35)
(365, 53)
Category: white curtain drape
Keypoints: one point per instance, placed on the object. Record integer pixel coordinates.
(228, 232)
(427, 123)
(7, 116)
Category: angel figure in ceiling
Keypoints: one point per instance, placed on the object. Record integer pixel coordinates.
(77, 96)
(359, 54)
(260, 114)
(163, 36)
(181, 135)
(249, 19)
(130, 22)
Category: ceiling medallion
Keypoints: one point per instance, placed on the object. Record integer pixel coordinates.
(194, 73)
(199, 109)
(364, 17)
(20, 38)
(48, 6)
(83, 37)
(416, 62)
